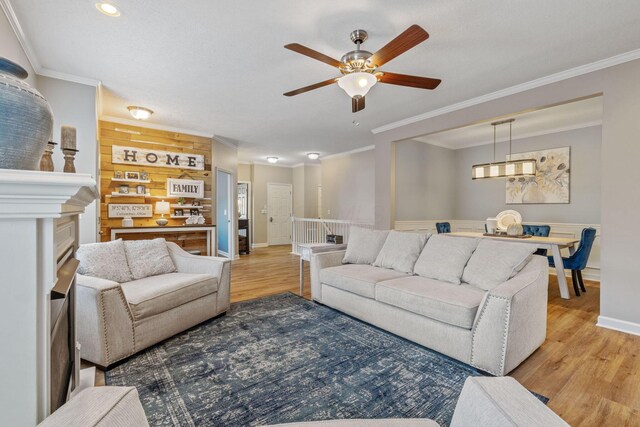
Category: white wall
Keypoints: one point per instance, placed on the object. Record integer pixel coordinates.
(348, 187)
(312, 180)
(298, 174)
(477, 200)
(74, 104)
(425, 184)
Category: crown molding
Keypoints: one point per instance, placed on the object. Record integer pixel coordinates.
(521, 136)
(46, 72)
(275, 165)
(30, 53)
(223, 142)
(553, 78)
(348, 153)
(19, 32)
(141, 123)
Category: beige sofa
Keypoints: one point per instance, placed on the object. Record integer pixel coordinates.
(493, 330)
(116, 320)
(500, 402)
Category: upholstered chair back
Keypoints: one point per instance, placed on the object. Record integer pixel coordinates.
(443, 227)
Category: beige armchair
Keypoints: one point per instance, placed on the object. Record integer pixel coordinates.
(116, 320)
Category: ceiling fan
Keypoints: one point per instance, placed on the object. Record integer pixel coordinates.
(359, 68)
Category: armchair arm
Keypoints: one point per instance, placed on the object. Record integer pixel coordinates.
(196, 264)
(105, 322)
(318, 262)
(512, 321)
(501, 402)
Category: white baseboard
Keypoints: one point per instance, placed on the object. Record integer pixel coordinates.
(223, 253)
(259, 245)
(619, 325)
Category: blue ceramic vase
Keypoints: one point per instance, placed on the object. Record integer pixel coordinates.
(25, 119)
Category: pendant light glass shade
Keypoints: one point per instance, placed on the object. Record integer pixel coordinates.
(357, 84)
(506, 169)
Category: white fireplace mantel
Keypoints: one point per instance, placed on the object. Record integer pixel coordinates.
(39, 230)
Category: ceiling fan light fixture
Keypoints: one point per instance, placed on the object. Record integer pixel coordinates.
(313, 156)
(272, 159)
(139, 113)
(357, 84)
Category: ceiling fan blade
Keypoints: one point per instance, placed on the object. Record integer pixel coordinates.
(411, 81)
(411, 37)
(311, 87)
(357, 104)
(313, 54)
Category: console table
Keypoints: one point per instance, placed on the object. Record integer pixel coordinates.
(209, 229)
(308, 249)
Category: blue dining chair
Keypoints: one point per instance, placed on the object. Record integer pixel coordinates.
(443, 227)
(578, 261)
(537, 230)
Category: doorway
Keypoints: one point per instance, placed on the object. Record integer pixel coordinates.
(224, 213)
(279, 207)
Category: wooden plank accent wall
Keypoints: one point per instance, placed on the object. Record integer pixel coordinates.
(154, 139)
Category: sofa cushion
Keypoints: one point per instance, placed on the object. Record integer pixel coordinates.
(357, 278)
(104, 260)
(157, 294)
(401, 251)
(364, 245)
(448, 303)
(444, 257)
(148, 258)
(494, 262)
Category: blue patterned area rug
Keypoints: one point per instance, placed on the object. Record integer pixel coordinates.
(285, 359)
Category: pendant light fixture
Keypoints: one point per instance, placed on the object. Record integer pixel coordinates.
(509, 168)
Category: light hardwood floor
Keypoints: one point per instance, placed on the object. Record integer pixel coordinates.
(590, 374)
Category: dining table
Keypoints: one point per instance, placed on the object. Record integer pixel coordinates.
(551, 243)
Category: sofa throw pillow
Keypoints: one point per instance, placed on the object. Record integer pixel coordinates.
(444, 257)
(495, 262)
(148, 258)
(401, 251)
(364, 245)
(104, 260)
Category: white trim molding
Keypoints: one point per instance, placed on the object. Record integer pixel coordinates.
(553, 78)
(259, 245)
(619, 325)
(347, 153)
(592, 272)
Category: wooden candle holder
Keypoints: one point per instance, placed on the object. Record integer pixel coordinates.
(69, 158)
(46, 162)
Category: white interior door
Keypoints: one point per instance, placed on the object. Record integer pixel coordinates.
(279, 213)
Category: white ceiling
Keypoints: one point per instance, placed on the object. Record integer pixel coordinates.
(573, 115)
(220, 68)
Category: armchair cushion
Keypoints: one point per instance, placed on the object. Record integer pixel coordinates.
(401, 251)
(495, 262)
(157, 294)
(106, 260)
(148, 258)
(444, 257)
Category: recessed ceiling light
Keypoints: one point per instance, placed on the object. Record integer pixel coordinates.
(313, 156)
(272, 159)
(108, 9)
(139, 113)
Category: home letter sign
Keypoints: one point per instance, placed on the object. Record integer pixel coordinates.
(143, 157)
(185, 188)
